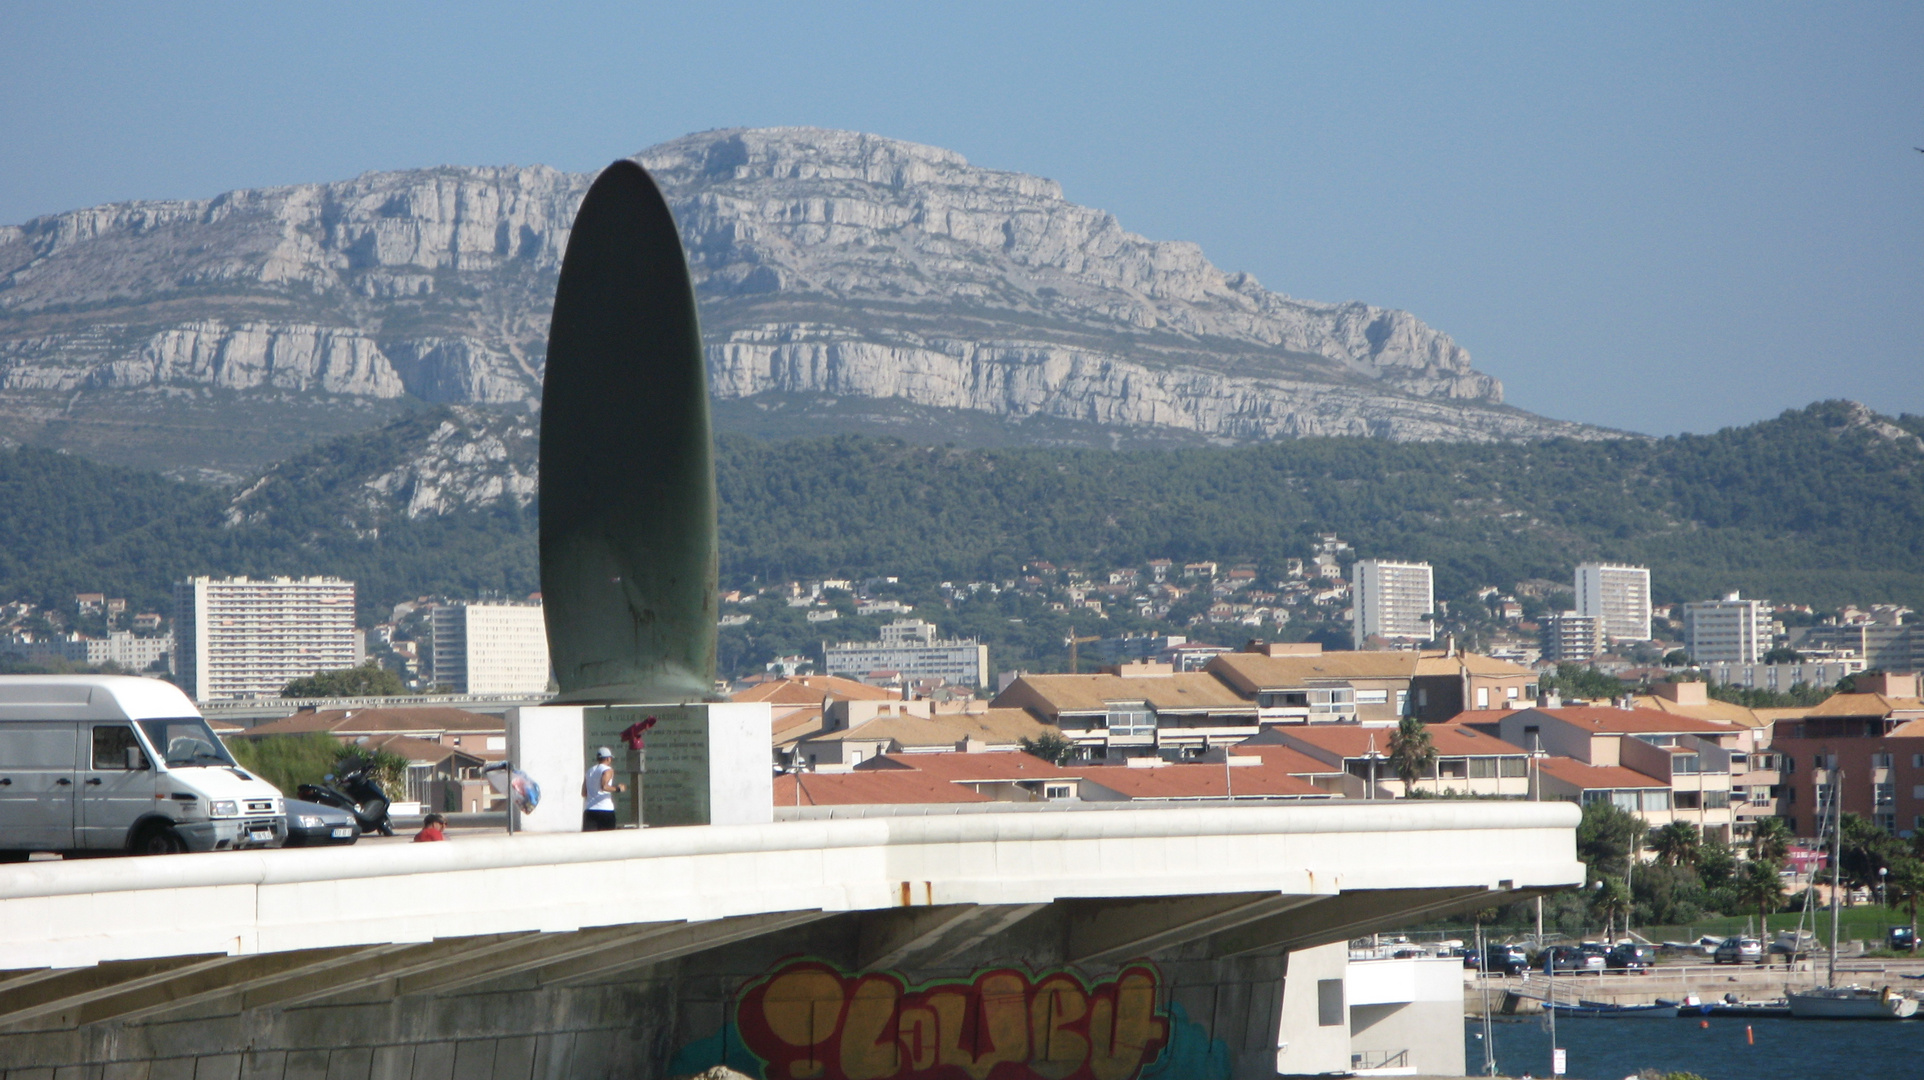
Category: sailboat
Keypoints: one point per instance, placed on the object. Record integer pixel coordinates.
(1831, 1001)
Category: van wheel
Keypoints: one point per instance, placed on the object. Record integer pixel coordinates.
(158, 840)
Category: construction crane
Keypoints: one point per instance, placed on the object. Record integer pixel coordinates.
(1073, 641)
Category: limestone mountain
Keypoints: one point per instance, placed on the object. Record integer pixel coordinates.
(846, 280)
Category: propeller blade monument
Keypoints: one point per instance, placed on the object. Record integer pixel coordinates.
(628, 563)
(628, 560)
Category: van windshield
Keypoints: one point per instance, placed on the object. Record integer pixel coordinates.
(185, 741)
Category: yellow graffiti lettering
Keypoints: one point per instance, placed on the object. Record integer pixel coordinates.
(1120, 1032)
(802, 1009)
(917, 1032)
(868, 1043)
(1004, 1021)
(1058, 1003)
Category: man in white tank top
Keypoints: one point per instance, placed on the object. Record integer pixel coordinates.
(599, 790)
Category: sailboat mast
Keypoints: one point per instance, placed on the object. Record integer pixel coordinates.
(1836, 866)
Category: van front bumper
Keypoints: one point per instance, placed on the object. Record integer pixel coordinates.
(233, 833)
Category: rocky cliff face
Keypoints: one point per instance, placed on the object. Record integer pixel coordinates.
(828, 263)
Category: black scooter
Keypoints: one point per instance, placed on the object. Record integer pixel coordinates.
(357, 793)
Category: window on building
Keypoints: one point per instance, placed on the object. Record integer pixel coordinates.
(1513, 766)
(1131, 718)
(1454, 768)
(1482, 768)
(1716, 800)
(1509, 693)
(854, 757)
(1688, 800)
(1917, 761)
(1886, 822)
(1372, 697)
(1053, 792)
(1685, 764)
(1881, 761)
(1884, 794)
(1482, 697)
(1330, 1009)
(1422, 698)
(1402, 703)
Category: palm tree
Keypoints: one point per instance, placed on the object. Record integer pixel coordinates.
(1770, 840)
(1906, 886)
(1759, 885)
(1411, 752)
(1675, 844)
(1611, 900)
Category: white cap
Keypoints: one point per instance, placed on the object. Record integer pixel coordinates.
(604, 752)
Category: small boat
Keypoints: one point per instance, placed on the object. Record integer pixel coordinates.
(1851, 1003)
(1731, 1007)
(1608, 1010)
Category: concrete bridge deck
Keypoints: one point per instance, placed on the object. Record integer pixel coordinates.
(232, 954)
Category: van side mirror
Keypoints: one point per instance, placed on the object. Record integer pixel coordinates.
(136, 759)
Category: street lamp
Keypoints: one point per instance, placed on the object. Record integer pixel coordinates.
(1882, 873)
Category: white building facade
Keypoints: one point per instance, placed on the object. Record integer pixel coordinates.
(1728, 631)
(1617, 595)
(910, 648)
(239, 638)
(1391, 600)
(490, 648)
(1572, 637)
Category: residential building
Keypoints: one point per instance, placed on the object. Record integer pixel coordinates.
(858, 731)
(1392, 602)
(1136, 710)
(1884, 646)
(1446, 685)
(1732, 630)
(1688, 757)
(1617, 596)
(490, 648)
(1572, 638)
(1298, 683)
(909, 649)
(242, 638)
(1001, 777)
(1468, 762)
(1781, 677)
(120, 647)
(1754, 785)
(1866, 748)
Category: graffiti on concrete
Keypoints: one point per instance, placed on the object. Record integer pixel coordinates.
(807, 1020)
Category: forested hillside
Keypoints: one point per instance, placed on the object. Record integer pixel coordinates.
(1822, 505)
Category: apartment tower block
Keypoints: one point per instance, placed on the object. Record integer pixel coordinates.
(240, 638)
(490, 648)
(1619, 596)
(1391, 600)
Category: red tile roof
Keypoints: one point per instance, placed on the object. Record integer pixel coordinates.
(1201, 781)
(1604, 720)
(811, 689)
(1287, 758)
(957, 767)
(1590, 777)
(869, 788)
(1352, 740)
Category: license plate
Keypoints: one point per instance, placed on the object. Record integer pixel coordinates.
(260, 836)
(343, 833)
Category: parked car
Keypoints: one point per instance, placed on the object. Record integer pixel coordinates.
(1903, 938)
(106, 763)
(1498, 960)
(1572, 958)
(312, 825)
(1739, 950)
(1628, 957)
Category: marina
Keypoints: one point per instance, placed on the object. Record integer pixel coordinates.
(1727, 1049)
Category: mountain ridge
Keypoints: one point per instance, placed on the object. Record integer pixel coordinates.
(827, 263)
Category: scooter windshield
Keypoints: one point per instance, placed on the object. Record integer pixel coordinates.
(186, 741)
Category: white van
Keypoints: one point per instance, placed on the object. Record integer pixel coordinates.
(115, 763)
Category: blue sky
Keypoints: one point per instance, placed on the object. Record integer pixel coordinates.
(1655, 217)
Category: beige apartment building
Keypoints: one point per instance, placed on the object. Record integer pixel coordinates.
(1301, 684)
(1689, 758)
(241, 638)
(1136, 710)
(490, 648)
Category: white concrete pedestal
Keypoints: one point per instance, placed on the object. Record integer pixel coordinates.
(705, 764)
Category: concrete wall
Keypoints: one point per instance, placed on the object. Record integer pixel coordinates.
(1412, 1006)
(1306, 1044)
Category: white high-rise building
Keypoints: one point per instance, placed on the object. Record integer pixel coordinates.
(239, 638)
(1391, 600)
(1728, 631)
(490, 648)
(1618, 595)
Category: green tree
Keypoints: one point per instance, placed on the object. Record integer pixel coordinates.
(1411, 752)
(1770, 841)
(1716, 863)
(1867, 849)
(1760, 887)
(1610, 901)
(368, 680)
(1906, 886)
(1783, 654)
(287, 761)
(1605, 835)
(1675, 844)
(386, 768)
(1676, 658)
(1050, 747)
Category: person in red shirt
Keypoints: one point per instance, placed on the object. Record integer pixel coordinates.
(431, 829)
